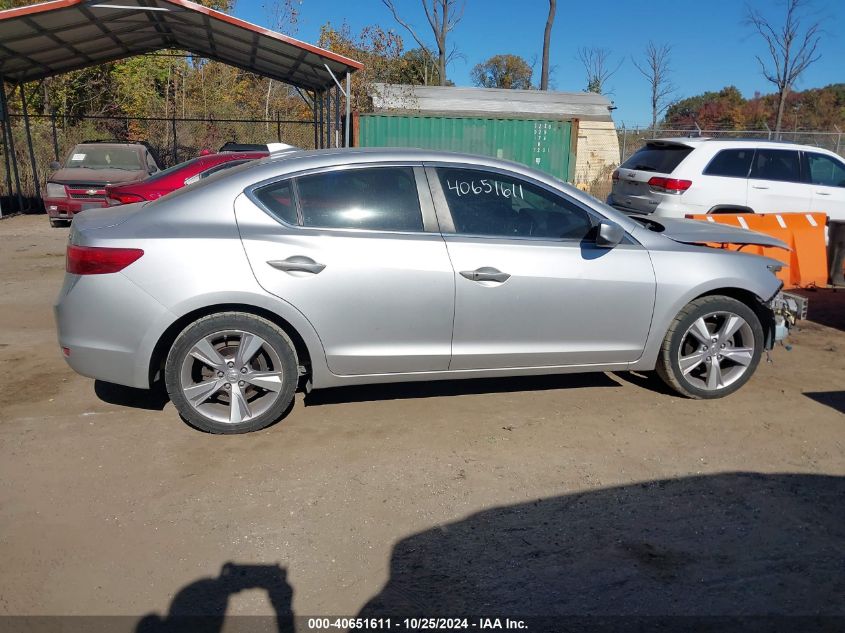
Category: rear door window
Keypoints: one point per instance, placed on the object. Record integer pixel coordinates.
(372, 198)
(776, 164)
(733, 163)
(826, 171)
(661, 159)
(278, 200)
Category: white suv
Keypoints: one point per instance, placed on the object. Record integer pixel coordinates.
(680, 176)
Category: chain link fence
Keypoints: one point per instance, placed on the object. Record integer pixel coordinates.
(174, 140)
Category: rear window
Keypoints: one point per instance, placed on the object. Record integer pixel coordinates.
(733, 163)
(657, 158)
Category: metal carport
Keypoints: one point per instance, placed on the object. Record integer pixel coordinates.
(50, 38)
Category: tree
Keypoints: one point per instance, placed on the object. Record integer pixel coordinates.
(792, 48)
(443, 16)
(418, 68)
(596, 65)
(281, 14)
(380, 51)
(547, 34)
(656, 69)
(503, 71)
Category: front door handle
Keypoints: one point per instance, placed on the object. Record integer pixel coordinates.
(297, 263)
(485, 273)
(822, 193)
(759, 187)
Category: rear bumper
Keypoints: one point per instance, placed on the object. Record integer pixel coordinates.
(667, 207)
(104, 321)
(66, 208)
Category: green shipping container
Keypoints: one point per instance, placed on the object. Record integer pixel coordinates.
(540, 143)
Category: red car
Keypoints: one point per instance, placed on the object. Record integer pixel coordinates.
(177, 176)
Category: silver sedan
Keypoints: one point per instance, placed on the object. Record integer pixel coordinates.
(342, 267)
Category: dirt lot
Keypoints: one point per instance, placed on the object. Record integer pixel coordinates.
(574, 495)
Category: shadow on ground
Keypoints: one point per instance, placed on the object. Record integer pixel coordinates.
(826, 306)
(148, 399)
(833, 399)
(443, 388)
(759, 548)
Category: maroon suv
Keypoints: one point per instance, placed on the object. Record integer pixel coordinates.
(81, 183)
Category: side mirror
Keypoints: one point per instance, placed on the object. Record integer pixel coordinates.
(609, 235)
(55, 165)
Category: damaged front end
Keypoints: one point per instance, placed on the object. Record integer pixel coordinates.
(787, 309)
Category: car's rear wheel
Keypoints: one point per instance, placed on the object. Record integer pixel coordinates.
(59, 223)
(231, 372)
(712, 348)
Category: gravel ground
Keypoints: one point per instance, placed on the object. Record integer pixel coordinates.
(592, 494)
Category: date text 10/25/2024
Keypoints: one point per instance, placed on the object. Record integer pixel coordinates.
(415, 624)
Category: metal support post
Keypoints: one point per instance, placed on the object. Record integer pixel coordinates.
(32, 161)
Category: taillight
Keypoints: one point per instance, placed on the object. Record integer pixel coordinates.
(98, 260)
(615, 175)
(123, 198)
(669, 185)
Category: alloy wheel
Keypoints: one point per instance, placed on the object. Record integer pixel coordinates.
(716, 350)
(231, 376)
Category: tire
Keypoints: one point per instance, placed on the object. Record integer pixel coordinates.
(57, 224)
(223, 392)
(721, 365)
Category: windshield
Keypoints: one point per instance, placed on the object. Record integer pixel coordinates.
(104, 157)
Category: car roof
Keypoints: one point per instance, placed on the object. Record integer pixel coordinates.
(732, 141)
(362, 155)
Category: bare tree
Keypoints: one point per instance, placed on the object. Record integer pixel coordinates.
(443, 16)
(547, 34)
(280, 14)
(597, 65)
(792, 48)
(656, 69)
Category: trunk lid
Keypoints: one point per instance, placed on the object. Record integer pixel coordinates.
(101, 218)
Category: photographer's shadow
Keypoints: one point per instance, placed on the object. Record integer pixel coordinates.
(200, 607)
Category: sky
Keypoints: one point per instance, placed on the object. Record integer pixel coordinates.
(711, 46)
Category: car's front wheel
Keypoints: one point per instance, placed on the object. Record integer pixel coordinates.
(712, 348)
(231, 372)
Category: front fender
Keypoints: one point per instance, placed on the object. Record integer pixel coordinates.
(683, 276)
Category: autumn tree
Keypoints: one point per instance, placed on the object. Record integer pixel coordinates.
(380, 51)
(283, 16)
(418, 68)
(792, 47)
(655, 67)
(597, 67)
(443, 16)
(503, 71)
(547, 35)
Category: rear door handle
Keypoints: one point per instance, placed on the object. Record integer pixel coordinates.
(485, 273)
(297, 263)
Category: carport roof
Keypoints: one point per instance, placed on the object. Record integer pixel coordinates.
(46, 39)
